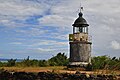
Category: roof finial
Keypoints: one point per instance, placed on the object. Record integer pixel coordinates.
(80, 13)
(81, 8)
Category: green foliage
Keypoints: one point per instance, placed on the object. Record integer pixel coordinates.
(105, 62)
(89, 67)
(11, 62)
(43, 63)
(3, 64)
(99, 62)
(114, 63)
(34, 63)
(58, 60)
(27, 63)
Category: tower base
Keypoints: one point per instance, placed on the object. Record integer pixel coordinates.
(77, 64)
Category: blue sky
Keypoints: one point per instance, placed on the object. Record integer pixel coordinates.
(40, 28)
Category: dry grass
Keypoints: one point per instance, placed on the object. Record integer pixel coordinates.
(33, 69)
(56, 69)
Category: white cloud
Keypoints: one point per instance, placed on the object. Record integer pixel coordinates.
(48, 43)
(60, 35)
(44, 49)
(55, 21)
(21, 8)
(12, 11)
(115, 45)
(103, 18)
(33, 32)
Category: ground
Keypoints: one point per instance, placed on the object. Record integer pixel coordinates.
(57, 69)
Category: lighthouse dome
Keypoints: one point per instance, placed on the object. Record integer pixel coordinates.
(80, 21)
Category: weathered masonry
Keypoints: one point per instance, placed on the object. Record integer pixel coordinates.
(80, 43)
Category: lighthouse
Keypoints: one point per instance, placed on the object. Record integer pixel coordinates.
(80, 43)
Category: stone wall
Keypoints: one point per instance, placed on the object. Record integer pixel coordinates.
(80, 52)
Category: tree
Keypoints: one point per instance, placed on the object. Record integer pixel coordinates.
(58, 60)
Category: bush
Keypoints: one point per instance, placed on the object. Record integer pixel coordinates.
(43, 63)
(58, 60)
(11, 62)
(105, 62)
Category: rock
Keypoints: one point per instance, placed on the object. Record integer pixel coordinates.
(78, 72)
(54, 76)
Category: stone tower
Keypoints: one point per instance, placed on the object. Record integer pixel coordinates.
(80, 43)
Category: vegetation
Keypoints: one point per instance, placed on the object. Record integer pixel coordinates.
(99, 62)
(59, 60)
(11, 62)
(105, 62)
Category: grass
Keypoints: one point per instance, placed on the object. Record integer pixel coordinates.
(33, 69)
